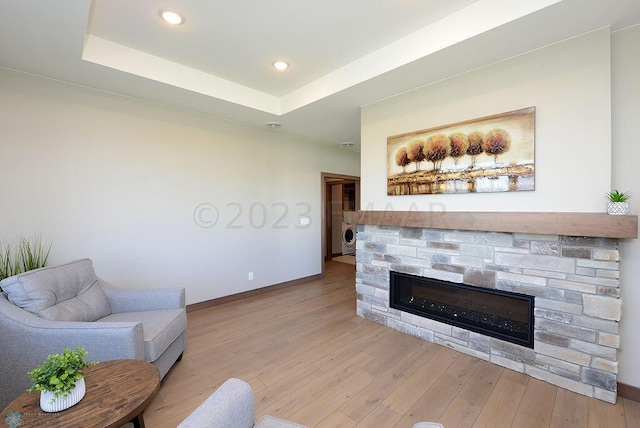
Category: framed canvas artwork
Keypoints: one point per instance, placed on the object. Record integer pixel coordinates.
(488, 154)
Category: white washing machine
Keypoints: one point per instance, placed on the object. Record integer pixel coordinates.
(348, 238)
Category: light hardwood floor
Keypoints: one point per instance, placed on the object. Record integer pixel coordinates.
(311, 360)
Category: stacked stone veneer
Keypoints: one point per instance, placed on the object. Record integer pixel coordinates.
(574, 281)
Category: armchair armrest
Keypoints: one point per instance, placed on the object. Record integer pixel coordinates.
(137, 300)
(103, 340)
(230, 406)
(27, 340)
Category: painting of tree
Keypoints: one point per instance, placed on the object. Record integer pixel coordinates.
(402, 158)
(459, 146)
(416, 152)
(475, 146)
(437, 149)
(489, 154)
(496, 142)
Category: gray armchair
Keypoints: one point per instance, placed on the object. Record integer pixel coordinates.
(45, 310)
(232, 406)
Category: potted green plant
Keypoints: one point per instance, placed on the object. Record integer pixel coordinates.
(60, 379)
(618, 202)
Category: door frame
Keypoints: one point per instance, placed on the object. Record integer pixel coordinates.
(328, 179)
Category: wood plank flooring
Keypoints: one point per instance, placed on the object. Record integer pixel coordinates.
(310, 359)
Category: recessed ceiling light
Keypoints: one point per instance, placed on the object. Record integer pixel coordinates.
(280, 65)
(347, 144)
(171, 17)
(273, 125)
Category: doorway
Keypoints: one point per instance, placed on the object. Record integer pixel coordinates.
(340, 193)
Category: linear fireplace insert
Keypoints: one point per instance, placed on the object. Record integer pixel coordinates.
(496, 313)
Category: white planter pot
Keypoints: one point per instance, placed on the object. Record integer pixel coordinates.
(617, 208)
(61, 403)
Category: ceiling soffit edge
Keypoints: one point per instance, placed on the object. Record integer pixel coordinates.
(440, 35)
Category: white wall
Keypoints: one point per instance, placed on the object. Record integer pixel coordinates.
(570, 86)
(118, 180)
(626, 176)
(581, 153)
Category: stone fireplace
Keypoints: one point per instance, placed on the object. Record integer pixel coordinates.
(572, 276)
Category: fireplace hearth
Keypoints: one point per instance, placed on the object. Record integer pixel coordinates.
(496, 313)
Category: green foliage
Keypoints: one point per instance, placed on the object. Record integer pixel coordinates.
(59, 372)
(33, 253)
(617, 196)
(9, 263)
(27, 254)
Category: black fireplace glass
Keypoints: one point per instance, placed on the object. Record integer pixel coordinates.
(501, 314)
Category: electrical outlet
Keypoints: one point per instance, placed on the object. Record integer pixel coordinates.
(250, 276)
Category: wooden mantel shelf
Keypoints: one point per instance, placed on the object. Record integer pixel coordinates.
(543, 223)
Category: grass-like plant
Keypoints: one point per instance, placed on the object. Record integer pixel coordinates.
(59, 372)
(617, 196)
(27, 254)
(33, 253)
(9, 264)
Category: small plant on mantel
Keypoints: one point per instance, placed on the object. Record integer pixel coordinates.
(57, 375)
(617, 196)
(618, 202)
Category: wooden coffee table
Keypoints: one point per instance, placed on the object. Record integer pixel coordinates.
(117, 392)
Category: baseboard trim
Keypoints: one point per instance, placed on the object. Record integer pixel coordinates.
(629, 392)
(239, 296)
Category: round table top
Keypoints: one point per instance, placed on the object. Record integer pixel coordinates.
(117, 392)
